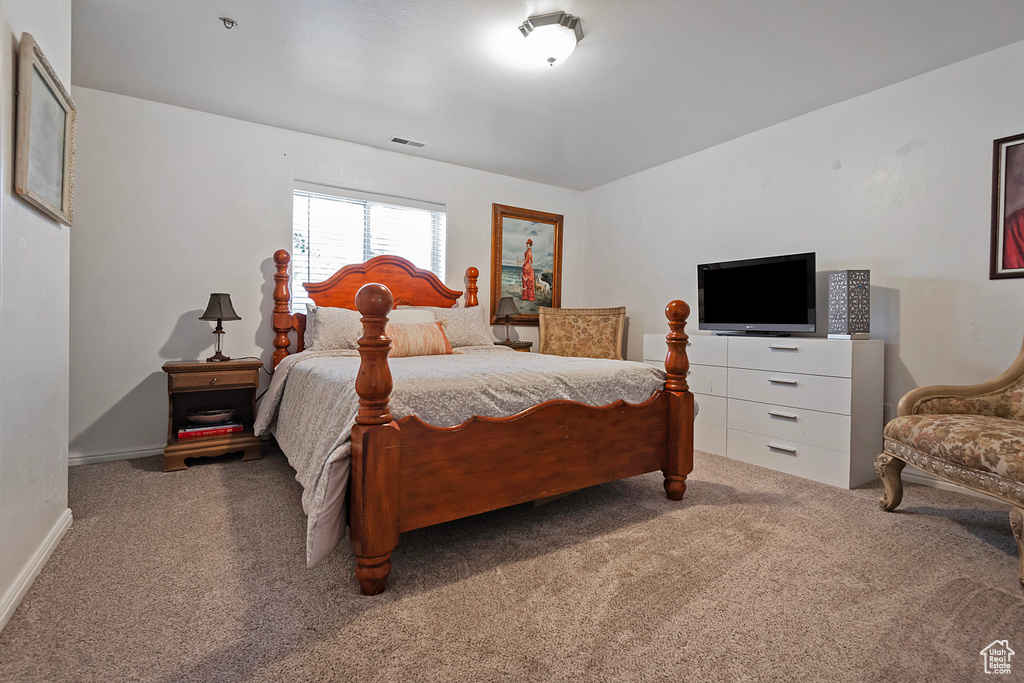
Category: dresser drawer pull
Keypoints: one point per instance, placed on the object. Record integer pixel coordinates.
(784, 449)
(783, 416)
(787, 382)
(783, 348)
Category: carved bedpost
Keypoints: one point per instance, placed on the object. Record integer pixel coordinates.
(680, 455)
(282, 317)
(373, 523)
(471, 289)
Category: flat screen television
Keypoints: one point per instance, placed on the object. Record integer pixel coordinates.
(770, 296)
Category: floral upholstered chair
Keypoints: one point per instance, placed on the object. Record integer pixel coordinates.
(582, 332)
(968, 435)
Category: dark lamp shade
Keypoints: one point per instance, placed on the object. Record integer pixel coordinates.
(506, 307)
(219, 308)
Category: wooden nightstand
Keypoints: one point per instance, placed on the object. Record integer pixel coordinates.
(198, 385)
(518, 345)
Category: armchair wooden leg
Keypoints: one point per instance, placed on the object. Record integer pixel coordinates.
(889, 469)
(1017, 524)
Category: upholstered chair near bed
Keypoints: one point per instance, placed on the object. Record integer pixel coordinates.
(968, 435)
(582, 332)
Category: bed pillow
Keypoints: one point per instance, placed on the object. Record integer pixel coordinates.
(463, 326)
(342, 327)
(333, 328)
(307, 338)
(417, 339)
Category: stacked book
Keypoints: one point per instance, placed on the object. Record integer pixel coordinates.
(219, 429)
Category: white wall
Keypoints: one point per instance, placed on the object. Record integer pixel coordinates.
(897, 181)
(172, 204)
(34, 253)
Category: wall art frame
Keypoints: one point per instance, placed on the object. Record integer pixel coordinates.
(534, 277)
(44, 153)
(1007, 247)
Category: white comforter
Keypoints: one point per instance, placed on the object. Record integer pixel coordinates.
(311, 407)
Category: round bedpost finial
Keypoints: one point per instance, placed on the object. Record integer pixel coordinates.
(374, 300)
(282, 257)
(677, 311)
(471, 287)
(373, 384)
(676, 362)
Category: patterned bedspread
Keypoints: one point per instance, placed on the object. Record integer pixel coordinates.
(311, 407)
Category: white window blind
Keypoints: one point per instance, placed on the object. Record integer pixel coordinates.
(333, 230)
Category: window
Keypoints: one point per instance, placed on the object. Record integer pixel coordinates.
(333, 230)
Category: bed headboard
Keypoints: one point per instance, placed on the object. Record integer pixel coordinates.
(409, 285)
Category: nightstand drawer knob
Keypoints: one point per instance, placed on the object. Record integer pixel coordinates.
(213, 381)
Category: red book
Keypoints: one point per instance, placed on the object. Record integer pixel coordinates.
(212, 431)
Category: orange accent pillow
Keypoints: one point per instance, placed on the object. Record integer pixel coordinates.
(417, 339)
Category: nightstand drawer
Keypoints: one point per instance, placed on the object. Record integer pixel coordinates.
(218, 379)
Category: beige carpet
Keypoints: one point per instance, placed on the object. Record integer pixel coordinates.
(199, 576)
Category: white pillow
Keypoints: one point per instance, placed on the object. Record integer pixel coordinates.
(464, 326)
(307, 338)
(411, 315)
(340, 328)
(335, 328)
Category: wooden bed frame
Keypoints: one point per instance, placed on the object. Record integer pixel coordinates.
(407, 474)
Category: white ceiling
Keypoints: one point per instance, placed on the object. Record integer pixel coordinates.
(652, 80)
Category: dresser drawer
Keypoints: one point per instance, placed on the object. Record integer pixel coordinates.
(218, 379)
(810, 462)
(708, 379)
(709, 438)
(701, 349)
(831, 394)
(712, 409)
(655, 347)
(704, 349)
(808, 356)
(798, 425)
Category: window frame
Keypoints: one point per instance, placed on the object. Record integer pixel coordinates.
(439, 252)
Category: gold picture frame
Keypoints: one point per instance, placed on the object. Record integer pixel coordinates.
(533, 279)
(44, 153)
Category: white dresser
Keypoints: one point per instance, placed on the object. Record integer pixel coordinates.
(806, 406)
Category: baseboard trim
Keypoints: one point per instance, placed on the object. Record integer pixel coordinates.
(28, 574)
(924, 479)
(110, 456)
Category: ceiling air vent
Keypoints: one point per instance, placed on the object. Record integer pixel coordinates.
(408, 143)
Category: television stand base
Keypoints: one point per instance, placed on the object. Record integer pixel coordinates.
(752, 333)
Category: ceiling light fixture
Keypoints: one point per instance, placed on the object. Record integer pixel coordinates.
(552, 37)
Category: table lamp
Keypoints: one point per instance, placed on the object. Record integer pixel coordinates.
(219, 309)
(506, 307)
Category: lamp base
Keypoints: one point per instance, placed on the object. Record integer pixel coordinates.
(217, 357)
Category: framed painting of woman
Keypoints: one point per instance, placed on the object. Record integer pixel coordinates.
(526, 261)
(1007, 208)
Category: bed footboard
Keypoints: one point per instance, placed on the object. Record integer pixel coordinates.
(407, 475)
